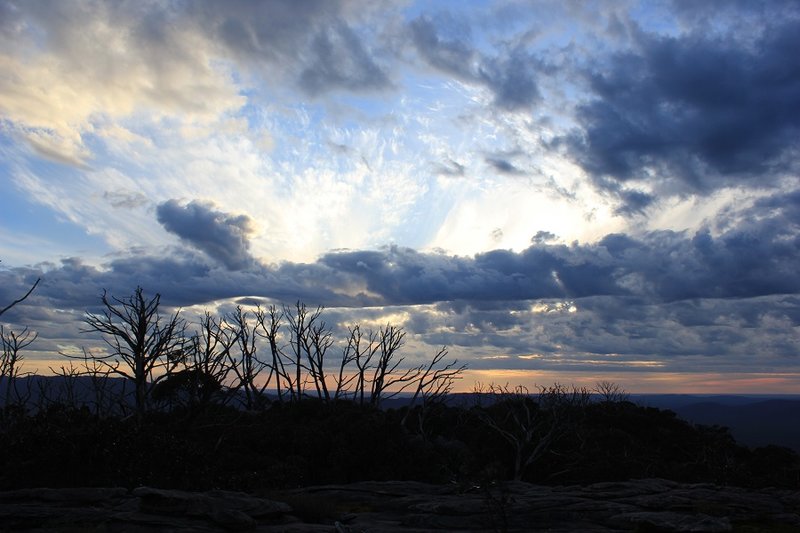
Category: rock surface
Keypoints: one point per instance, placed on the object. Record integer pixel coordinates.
(640, 505)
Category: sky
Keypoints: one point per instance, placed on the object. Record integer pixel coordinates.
(556, 190)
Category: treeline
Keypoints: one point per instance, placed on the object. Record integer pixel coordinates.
(268, 399)
(555, 436)
(248, 359)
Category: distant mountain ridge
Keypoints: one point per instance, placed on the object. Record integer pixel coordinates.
(757, 420)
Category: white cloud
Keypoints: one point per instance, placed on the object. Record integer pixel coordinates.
(69, 68)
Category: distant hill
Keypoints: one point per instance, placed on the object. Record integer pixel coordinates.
(753, 420)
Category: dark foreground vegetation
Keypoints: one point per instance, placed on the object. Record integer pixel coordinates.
(249, 402)
(310, 442)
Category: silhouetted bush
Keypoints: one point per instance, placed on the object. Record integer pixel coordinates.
(315, 442)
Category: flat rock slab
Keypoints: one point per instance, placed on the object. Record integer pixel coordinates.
(639, 505)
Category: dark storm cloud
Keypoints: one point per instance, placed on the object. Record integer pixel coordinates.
(694, 113)
(402, 275)
(184, 278)
(510, 77)
(784, 209)
(756, 256)
(224, 237)
(633, 202)
(602, 333)
(753, 258)
(511, 80)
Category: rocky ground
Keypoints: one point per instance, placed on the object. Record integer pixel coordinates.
(641, 505)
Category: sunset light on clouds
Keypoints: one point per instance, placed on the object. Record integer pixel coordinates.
(557, 191)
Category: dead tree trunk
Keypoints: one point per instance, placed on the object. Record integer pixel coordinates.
(11, 346)
(141, 342)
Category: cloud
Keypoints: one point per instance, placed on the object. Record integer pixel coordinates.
(450, 168)
(125, 199)
(755, 257)
(692, 113)
(341, 62)
(510, 76)
(543, 237)
(749, 260)
(224, 237)
(663, 301)
(682, 117)
(313, 42)
(618, 334)
(69, 64)
(455, 56)
(73, 65)
(512, 80)
(503, 166)
(634, 202)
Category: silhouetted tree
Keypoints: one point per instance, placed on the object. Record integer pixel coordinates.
(320, 339)
(144, 345)
(360, 350)
(433, 386)
(246, 365)
(301, 323)
(12, 344)
(388, 372)
(610, 392)
(11, 356)
(271, 322)
(207, 363)
(528, 425)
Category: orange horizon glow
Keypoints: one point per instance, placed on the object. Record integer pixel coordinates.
(633, 382)
(638, 382)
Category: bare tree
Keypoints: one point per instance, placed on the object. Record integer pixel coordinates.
(103, 399)
(205, 367)
(529, 426)
(144, 345)
(388, 372)
(350, 354)
(298, 359)
(209, 347)
(360, 350)
(247, 366)
(68, 392)
(271, 322)
(433, 385)
(436, 383)
(301, 322)
(11, 356)
(610, 392)
(320, 339)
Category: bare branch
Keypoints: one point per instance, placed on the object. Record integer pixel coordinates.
(20, 300)
(139, 339)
